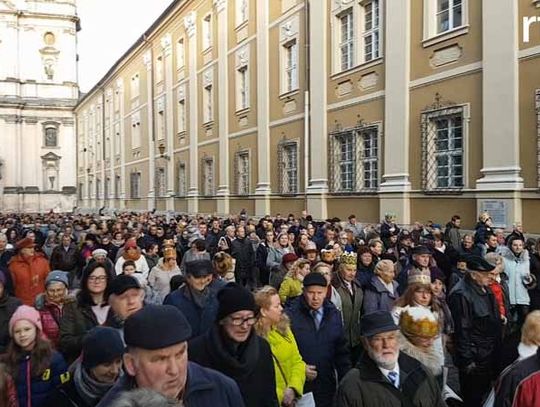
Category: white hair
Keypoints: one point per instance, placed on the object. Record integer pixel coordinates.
(141, 398)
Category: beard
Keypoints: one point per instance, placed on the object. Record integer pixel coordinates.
(385, 361)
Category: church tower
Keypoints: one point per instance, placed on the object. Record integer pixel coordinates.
(38, 91)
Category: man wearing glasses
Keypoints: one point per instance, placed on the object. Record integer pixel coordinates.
(232, 347)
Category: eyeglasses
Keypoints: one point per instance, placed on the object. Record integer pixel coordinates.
(241, 321)
(97, 278)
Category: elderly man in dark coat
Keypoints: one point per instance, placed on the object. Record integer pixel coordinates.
(318, 329)
(385, 376)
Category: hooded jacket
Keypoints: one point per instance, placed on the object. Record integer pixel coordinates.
(517, 268)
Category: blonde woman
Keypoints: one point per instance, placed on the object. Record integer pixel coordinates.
(292, 283)
(274, 326)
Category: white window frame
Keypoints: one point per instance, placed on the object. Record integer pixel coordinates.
(242, 87)
(135, 185)
(431, 29)
(180, 53)
(374, 32)
(161, 182)
(242, 174)
(429, 172)
(290, 66)
(182, 112)
(136, 130)
(135, 86)
(241, 12)
(208, 180)
(208, 105)
(347, 43)
(207, 32)
(182, 179)
(289, 167)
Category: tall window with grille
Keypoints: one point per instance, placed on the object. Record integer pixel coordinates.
(371, 34)
(291, 65)
(449, 15)
(182, 179)
(242, 78)
(208, 103)
(242, 172)
(288, 167)
(135, 185)
(161, 182)
(208, 176)
(354, 160)
(443, 149)
(346, 39)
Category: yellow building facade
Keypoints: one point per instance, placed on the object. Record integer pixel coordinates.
(423, 108)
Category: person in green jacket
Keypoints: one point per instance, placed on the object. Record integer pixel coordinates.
(274, 326)
(291, 287)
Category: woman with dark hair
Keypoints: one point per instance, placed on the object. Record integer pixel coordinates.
(36, 368)
(12, 236)
(89, 310)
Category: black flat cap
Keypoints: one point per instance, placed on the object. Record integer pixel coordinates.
(156, 327)
(199, 268)
(377, 322)
(477, 263)
(421, 250)
(315, 279)
(120, 284)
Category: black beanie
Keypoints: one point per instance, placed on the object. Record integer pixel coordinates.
(101, 345)
(233, 298)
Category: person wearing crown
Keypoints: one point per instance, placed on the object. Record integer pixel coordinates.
(351, 294)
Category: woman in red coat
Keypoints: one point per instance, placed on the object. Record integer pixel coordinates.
(28, 269)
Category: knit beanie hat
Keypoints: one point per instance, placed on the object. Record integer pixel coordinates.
(101, 345)
(24, 312)
(233, 298)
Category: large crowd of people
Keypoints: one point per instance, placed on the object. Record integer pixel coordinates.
(141, 309)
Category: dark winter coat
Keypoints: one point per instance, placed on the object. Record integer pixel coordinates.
(326, 348)
(204, 388)
(452, 235)
(65, 260)
(351, 309)
(8, 305)
(365, 386)
(481, 232)
(66, 396)
(200, 319)
(251, 366)
(378, 298)
(364, 274)
(243, 253)
(77, 320)
(40, 387)
(478, 327)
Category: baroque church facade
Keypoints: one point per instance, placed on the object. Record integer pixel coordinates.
(38, 92)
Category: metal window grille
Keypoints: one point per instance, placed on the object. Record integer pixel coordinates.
(354, 160)
(161, 182)
(241, 171)
(449, 14)
(182, 180)
(288, 167)
(346, 45)
(208, 176)
(135, 183)
(372, 31)
(442, 150)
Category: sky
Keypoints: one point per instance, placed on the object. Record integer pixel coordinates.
(109, 28)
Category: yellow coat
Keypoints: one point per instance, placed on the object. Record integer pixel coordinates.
(290, 288)
(287, 356)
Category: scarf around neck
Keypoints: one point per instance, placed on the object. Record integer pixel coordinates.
(90, 390)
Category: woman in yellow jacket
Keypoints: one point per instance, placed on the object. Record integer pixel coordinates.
(291, 286)
(274, 326)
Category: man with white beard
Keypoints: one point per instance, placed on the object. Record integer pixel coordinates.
(384, 376)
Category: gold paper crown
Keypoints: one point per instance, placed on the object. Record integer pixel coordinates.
(168, 243)
(348, 258)
(169, 252)
(419, 277)
(418, 321)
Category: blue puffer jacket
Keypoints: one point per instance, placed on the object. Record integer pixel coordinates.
(326, 348)
(200, 319)
(39, 388)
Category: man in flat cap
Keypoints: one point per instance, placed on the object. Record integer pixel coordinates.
(197, 297)
(478, 330)
(318, 330)
(384, 375)
(156, 359)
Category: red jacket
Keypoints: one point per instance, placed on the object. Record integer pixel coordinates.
(28, 275)
(528, 392)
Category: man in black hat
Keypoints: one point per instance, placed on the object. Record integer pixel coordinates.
(318, 330)
(384, 376)
(125, 296)
(156, 359)
(420, 259)
(478, 330)
(232, 347)
(197, 298)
